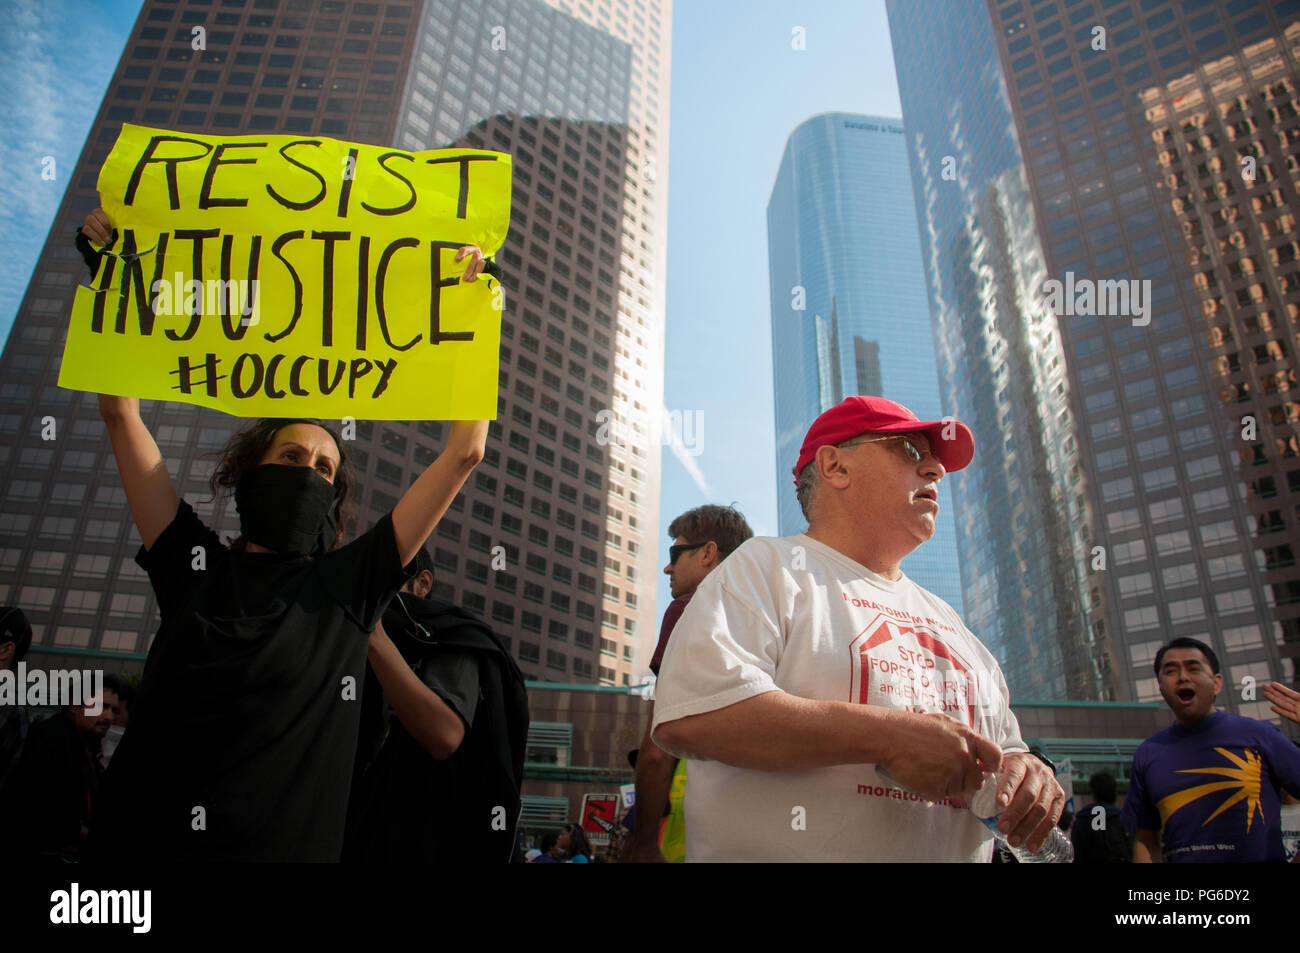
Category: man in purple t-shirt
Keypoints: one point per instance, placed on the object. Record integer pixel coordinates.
(702, 538)
(1206, 789)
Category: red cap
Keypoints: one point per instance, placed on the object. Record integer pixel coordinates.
(950, 439)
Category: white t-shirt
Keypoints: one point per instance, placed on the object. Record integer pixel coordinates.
(797, 616)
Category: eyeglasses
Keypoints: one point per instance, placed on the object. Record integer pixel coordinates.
(912, 450)
(675, 551)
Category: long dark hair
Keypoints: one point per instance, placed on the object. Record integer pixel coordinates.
(245, 450)
(578, 843)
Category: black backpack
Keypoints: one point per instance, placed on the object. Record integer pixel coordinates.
(1112, 845)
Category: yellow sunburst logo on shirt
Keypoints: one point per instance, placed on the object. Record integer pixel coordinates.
(1245, 784)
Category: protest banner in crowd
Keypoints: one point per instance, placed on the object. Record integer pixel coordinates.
(290, 276)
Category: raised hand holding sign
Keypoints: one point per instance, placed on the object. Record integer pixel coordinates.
(284, 276)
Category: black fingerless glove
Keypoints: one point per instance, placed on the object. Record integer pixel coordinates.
(88, 253)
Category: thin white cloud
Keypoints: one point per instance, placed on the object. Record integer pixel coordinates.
(51, 89)
(687, 461)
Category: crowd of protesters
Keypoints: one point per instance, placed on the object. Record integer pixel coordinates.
(304, 699)
(245, 739)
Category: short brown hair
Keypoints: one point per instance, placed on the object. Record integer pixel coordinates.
(724, 525)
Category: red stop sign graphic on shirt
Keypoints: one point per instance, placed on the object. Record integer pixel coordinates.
(909, 666)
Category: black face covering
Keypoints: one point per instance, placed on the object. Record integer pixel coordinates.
(286, 509)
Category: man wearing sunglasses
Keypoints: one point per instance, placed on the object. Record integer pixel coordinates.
(806, 663)
(702, 538)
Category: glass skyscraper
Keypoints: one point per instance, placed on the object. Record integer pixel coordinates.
(578, 94)
(849, 309)
(1081, 145)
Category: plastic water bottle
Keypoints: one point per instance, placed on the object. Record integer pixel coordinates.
(1057, 849)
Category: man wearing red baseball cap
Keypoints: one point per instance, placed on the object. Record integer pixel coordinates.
(803, 663)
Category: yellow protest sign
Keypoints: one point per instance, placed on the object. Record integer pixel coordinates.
(294, 276)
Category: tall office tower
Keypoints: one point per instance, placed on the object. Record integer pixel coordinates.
(580, 99)
(1227, 138)
(579, 96)
(1116, 502)
(849, 312)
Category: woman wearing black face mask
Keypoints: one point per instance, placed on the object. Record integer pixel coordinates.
(242, 737)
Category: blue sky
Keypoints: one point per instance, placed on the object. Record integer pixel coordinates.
(56, 58)
(738, 90)
(739, 87)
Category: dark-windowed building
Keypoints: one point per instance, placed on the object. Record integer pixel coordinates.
(1119, 300)
(577, 93)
